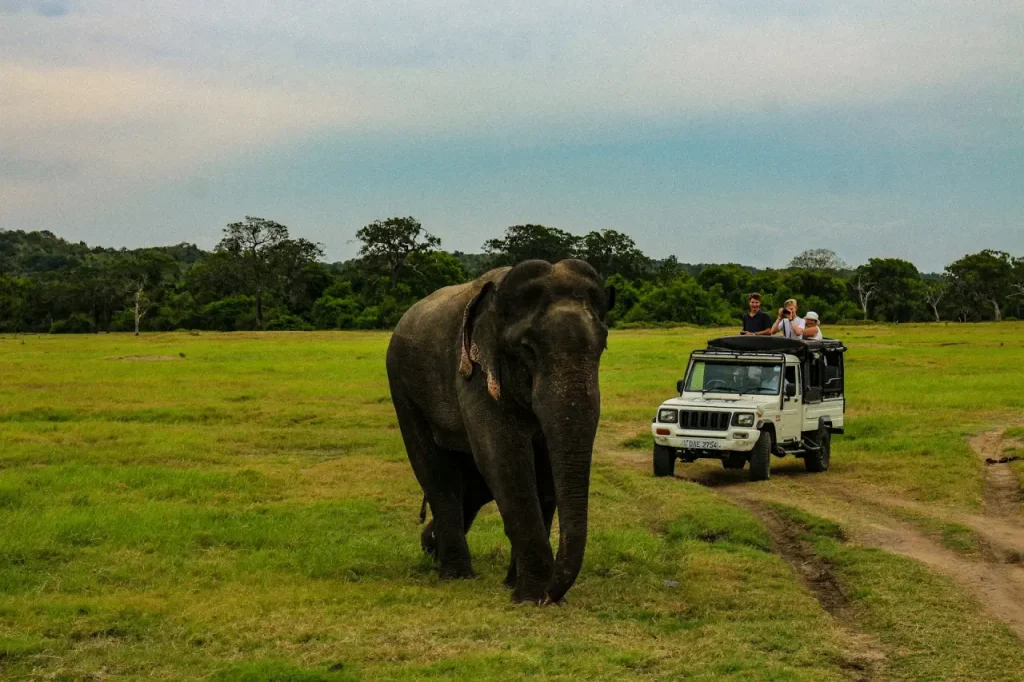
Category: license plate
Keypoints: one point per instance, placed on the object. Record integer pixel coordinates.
(701, 444)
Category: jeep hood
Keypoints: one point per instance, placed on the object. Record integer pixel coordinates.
(737, 403)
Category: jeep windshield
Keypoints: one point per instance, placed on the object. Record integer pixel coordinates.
(708, 376)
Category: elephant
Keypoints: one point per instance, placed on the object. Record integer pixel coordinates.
(495, 385)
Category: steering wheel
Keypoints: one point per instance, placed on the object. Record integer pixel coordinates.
(711, 384)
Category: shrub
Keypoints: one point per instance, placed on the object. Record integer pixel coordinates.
(123, 321)
(230, 314)
(288, 323)
(77, 323)
(330, 312)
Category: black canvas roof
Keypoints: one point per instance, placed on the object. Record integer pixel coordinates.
(774, 344)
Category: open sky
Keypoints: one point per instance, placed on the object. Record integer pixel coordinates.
(739, 130)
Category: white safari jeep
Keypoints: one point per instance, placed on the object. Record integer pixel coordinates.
(746, 398)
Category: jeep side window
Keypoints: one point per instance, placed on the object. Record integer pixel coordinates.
(812, 392)
(833, 375)
(791, 376)
(814, 373)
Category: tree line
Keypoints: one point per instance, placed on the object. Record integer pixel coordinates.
(259, 277)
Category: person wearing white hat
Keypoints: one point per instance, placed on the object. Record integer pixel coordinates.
(812, 332)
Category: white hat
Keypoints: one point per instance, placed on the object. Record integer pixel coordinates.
(811, 316)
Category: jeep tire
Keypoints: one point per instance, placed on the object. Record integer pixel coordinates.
(664, 460)
(761, 458)
(818, 461)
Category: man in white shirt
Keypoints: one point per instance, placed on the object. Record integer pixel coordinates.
(788, 322)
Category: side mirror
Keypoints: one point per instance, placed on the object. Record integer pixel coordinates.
(679, 387)
(790, 390)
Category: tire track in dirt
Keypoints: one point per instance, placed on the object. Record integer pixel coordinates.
(864, 655)
(1002, 489)
(997, 586)
(996, 579)
(1004, 537)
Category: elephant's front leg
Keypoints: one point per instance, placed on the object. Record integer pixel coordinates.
(506, 460)
(546, 493)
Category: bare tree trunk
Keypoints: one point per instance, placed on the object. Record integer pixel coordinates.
(141, 305)
(999, 314)
(864, 291)
(865, 298)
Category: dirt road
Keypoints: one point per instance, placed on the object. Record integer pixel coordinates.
(994, 574)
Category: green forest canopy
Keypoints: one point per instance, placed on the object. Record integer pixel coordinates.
(259, 277)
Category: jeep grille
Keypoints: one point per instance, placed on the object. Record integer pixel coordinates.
(704, 421)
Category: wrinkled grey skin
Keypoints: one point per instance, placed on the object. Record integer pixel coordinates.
(495, 383)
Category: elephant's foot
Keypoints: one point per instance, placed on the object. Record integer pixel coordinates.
(457, 571)
(511, 575)
(428, 540)
(530, 592)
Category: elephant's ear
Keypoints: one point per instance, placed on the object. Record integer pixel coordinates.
(610, 299)
(469, 353)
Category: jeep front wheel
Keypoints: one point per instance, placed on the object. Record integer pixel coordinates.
(761, 458)
(817, 462)
(664, 461)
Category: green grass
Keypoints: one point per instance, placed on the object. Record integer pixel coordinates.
(922, 620)
(913, 392)
(1015, 434)
(952, 535)
(247, 512)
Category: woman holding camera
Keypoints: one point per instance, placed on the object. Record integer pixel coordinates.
(788, 322)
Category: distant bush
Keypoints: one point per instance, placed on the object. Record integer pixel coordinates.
(77, 323)
(123, 321)
(330, 312)
(292, 323)
(230, 314)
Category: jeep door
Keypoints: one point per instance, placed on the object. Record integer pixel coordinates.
(823, 395)
(788, 430)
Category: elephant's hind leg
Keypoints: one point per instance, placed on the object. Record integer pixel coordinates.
(474, 496)
(439, 473)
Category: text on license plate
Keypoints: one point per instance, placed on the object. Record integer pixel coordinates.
(691, 444)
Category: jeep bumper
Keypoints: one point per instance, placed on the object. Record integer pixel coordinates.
(736, 439)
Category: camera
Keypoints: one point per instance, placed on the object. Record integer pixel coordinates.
(786, 312)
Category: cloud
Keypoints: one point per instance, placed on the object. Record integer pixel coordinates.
(44, 8)
(122, 98)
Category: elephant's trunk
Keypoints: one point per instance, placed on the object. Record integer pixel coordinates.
(568, 404)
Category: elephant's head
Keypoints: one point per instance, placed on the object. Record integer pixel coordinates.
(537, 333)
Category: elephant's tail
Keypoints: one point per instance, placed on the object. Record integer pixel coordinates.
(423, 510)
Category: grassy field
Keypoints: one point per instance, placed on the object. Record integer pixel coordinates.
(239, 507)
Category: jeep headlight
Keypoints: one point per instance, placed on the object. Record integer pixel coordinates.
(743, 419)
(668, 416)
